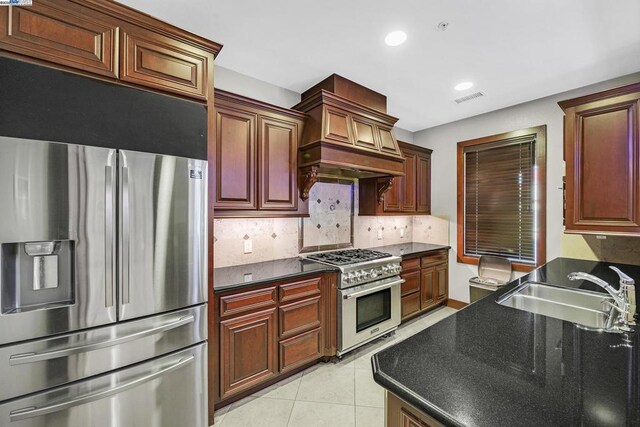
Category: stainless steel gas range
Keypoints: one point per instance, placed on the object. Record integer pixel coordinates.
(368, 294)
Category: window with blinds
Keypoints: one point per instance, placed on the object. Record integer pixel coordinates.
(499, 199)
(500, 209)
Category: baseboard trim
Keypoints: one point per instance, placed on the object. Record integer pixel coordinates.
(456, 304)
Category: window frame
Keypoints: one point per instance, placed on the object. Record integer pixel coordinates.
(540, 188)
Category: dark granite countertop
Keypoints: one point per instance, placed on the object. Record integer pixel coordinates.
(238, 276)
(410, 248)
(490, 365)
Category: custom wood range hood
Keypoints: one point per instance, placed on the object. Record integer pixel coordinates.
(348, 133)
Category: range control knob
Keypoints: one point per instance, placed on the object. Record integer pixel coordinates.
(385, 269)
(373, 273)
(349, 278)
(357, 275)
(366, 274)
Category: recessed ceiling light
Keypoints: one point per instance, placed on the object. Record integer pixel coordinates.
(395, 38)
(464, 86)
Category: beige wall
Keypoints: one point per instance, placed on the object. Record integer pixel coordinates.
(443, 140)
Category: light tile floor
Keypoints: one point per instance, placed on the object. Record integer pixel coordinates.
(327, 394)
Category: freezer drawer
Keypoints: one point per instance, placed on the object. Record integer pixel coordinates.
(57, 238)
(168, 391)
(37, 365)
(163, 233)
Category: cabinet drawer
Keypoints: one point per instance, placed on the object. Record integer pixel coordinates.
(300, 289)
(247, 301)
(410, 304)
(299, 350)
(62, 33)
(410, 264)
(411, 282)
(300, 316)
(158, 61)
(435, 258)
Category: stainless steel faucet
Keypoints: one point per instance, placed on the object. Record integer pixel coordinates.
(624, 297)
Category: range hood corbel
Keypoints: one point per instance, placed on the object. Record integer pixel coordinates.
(384, 185)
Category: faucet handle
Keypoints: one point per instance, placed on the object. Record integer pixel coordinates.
(624, 279)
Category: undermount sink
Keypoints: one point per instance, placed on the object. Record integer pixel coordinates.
(585, 308)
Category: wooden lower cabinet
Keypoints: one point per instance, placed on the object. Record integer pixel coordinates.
(247, 345)
(268, 331)
(426, 283)
(401, 414)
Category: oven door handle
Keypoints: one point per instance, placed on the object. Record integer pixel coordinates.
(374, 289)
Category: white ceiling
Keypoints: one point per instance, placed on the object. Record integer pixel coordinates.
(514, 51)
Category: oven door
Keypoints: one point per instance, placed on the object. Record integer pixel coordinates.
(368, 311)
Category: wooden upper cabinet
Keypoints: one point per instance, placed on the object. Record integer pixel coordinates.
(235, 159)
(602, 154)
(257, 158)
(423, 183)
(62, 33)
(410, 194)
(278, 163)
(154, 60)
(408, 182)
(108, 39)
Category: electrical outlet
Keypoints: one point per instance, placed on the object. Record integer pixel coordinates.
(379, 233)
(402, 233)
(248, 246)
(248, 277)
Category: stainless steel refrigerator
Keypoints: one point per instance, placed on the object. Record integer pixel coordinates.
(103, 261)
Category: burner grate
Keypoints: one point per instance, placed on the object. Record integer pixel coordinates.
(349, 256)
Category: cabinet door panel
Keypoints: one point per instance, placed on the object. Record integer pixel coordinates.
(247, 351)
(72, 35)
(408, 182)
(423, 184)
(154, 60)
(441, 283)
(300, 349)
(427, 297)
(235, 160)
(278, 164)
(392, 198)
(604, 192)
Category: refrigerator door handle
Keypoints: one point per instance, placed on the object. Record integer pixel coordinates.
(19, 359)
(109, 230)
(32, 411)
(126, 229)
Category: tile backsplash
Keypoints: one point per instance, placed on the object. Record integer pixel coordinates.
(330, 214)
(271, 238)
(277, 238)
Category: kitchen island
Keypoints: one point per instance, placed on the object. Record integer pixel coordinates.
(491, 365)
